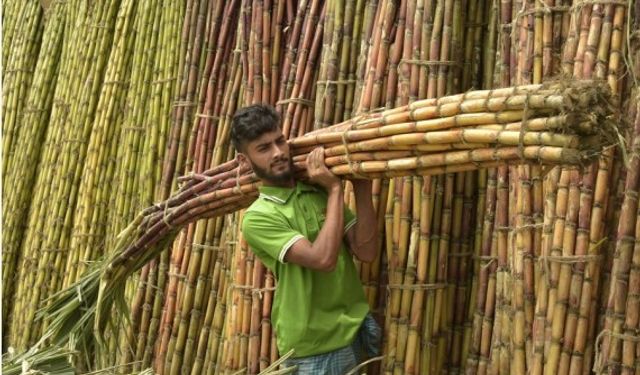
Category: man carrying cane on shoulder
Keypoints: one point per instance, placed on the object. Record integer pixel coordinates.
(305, 235)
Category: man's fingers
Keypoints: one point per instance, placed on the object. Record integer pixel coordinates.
(311, 160)
(314, 157)
(320, 156)
(315, 161)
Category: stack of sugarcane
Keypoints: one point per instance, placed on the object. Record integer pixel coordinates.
(486, 136)
(22, 145)
(349, 28)
(475, 293)
(22, 37)
(529, 38)
(618, 337)
(618, 330)
(540, 316)
(574, 234)
(105, 78)
(46, 206)
(143, 133)
(201, 252)
(278, 67)
(419, 50)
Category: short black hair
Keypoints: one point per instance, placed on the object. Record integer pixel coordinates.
(250, 122)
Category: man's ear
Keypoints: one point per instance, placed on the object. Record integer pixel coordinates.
(242, 159)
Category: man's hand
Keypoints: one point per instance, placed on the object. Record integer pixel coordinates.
(318, 172)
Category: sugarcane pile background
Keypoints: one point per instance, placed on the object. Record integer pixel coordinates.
(486, 269)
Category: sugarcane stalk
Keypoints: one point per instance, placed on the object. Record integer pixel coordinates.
(208, 341)
(473, 326)
(426, 349)
(397, 263)
(455, 259)
(328, 63)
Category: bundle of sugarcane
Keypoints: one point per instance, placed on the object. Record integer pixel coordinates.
(115, 77)
(187, 339)
(561, 307)
(509, 222)
(173, 66)
(576, 221)
(136, 165)
(415, 52)
(424, 137)
(619, 339)
(300, 69)
(249, 341)
(22, 164)
(487, 137)
(22, 41)
(53, 198)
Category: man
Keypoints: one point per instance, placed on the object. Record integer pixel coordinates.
(298, 230)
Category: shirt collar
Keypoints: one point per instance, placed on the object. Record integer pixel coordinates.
(281, 195)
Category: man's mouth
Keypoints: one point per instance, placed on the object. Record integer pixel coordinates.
(279, 163)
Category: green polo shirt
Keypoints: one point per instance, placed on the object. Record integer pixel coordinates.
(313, 312)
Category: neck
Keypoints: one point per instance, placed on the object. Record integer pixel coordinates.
(281, 184)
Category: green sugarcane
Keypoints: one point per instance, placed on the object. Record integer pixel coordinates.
(143, 115)
(10, 12)
(89, 219)
(47, 180)
(18, 75)
(22, 168)
(165, 88)
(28, 258)
(133, 128)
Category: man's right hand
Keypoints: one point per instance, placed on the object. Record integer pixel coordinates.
(318, 172)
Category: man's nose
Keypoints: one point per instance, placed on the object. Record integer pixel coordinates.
(278, 151)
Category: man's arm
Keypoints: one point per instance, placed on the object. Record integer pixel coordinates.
(322, 254)
(363, 236)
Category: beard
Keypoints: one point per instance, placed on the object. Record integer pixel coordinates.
(277, 178)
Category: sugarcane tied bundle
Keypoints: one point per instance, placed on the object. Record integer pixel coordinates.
(537, 123)
(557, 123)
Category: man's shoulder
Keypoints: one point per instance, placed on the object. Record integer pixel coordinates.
(261, 205)
(260, 212)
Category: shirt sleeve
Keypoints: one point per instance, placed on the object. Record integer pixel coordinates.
(270, 235)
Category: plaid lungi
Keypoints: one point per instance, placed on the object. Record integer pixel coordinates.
(340, 361)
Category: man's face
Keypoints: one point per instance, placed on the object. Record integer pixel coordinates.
(269, 158)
